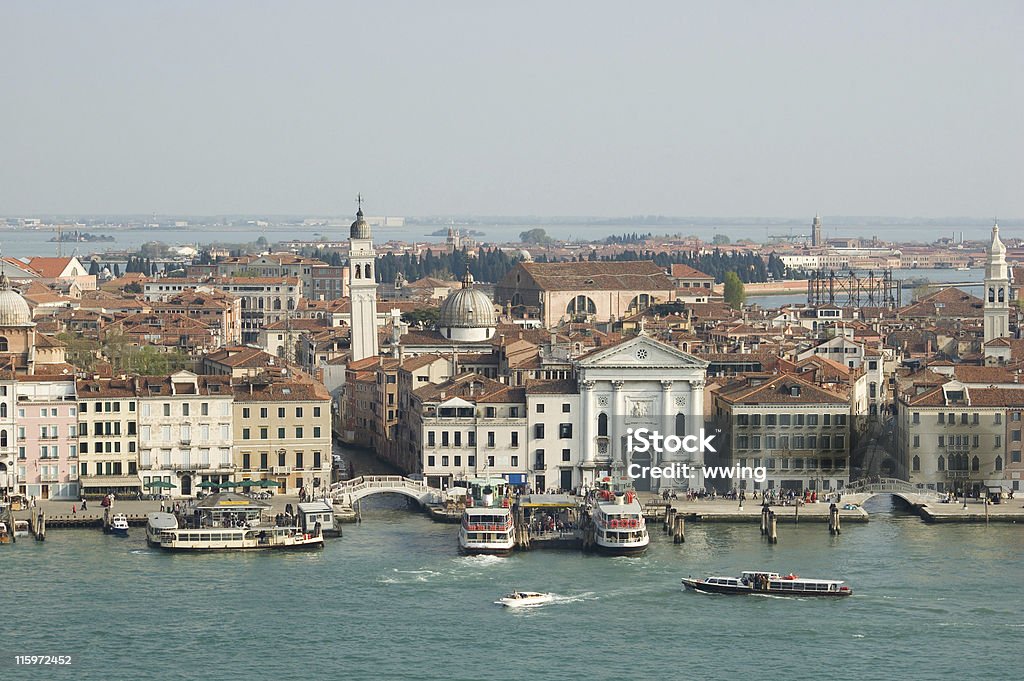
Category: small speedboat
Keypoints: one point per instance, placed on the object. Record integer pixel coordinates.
(524, 599)
(119, 525)
(21, 528)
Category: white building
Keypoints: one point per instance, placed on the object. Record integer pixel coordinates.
(185, 430)
(363, 289)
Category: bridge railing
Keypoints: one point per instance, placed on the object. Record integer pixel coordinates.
(343, 491)
(887, 485)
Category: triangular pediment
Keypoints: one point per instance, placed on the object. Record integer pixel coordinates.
(642, 352)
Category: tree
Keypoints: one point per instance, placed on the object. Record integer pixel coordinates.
(427, 316)
(94, 267)
(734, 293)
(720, 240)
(535, 236)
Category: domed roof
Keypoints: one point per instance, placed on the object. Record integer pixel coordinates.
(14, 311)
(467, 308)
(360, 229)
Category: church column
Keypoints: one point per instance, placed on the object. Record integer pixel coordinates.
(667, 422)
(617, 421)
(589, 417)
(694, 422)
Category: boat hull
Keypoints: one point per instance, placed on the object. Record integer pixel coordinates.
(304, 546)
(485, 550)
(119, 532)
(615, 550)
(700, 586)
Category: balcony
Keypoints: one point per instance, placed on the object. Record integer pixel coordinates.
(281, 470)
(958, 475)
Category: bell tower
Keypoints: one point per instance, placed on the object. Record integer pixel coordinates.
(362, 286)
(997, 290)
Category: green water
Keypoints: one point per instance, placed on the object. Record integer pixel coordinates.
(394, 600)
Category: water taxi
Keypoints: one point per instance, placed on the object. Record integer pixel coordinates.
(524, 599)
(619, 526)
(156, 523)
(772, 583)
(487, 530)
(118, 525)
(21, 528)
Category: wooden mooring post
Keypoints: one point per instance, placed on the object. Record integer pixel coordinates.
(773, 528)
(679, 529)
(833, 520)
(764, 519)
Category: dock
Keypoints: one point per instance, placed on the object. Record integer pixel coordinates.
(730, 511)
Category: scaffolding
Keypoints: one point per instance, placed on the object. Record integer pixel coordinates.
(853, 289)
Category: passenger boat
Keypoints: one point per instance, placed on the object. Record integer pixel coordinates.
(524, 599)
(619, 526)
(5, 534)
(156, 523)
(487, 530)
(754, 582)
(119, 525)
(238, 539)
(231, 522)
(21, 528)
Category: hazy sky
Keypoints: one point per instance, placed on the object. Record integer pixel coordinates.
(513, 108)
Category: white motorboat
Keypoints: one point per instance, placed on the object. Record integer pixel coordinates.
(524, 599)
(119, 525)
(21, 528)
(157, 523)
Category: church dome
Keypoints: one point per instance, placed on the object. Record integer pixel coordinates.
(467, 308)
(14, 311)
(360, 229)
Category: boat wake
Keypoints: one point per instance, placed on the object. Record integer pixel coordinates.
(408, 576)
(482, 560)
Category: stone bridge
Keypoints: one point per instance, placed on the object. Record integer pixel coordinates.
(347, 493)
(861, 490)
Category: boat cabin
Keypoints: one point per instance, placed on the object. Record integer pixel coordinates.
(315, 513)
(228, 509)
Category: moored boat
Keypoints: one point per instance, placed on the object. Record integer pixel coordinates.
(5, 534)
(619, 525)
(771, 583)
(487, 530)
(21, 528)
(156, 523)
(524, 599)
(119, 525)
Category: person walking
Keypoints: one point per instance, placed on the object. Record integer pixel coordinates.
(73, 511)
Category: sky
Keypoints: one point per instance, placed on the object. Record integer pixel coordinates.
(895, 108)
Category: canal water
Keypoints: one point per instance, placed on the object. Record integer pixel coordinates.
(393, 599)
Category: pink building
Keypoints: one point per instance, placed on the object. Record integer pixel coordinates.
(47, 440)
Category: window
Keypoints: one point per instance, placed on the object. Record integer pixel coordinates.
(490, 438)
(917, 463)
(263, 412)
(602, 424)
(515, 439)
(431, 442)
(1015, 456)
(458, 438)
(540, 408)
(204, 409)
(566, 454)
(515, 461)
(316, 431)
(975, 464)
(565, 407)
(565, 431)
(280, 412)
(246, 434)
(999, 463)
(444, 438)
(538, 431)
(489, 412)
(917, 441)
(490, 461)
(471, 439)
(917, 417)
(167, 408)
(430, 459)
(471, 461)
(316, 412)
(298, 410)
(245, 412)
(444, 460)
(998, 441)
(298, 432)
(184, 409)
(264, 433)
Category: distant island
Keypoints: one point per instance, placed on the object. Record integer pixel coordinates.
(463, 232)
(76, 237)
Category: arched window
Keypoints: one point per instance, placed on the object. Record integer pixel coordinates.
(602, 424)
(3, 438)
(517, 299)
(991, 294)
(640, 302)
(291, 304)
(277, 303)
(1002, 294)
(917, 463)
(3, 410)
(3, 344)
(999, 461)
(975, 464)
(581, 305)
(367, 271)
(942, 463)
(359, 272)
(680, 423)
